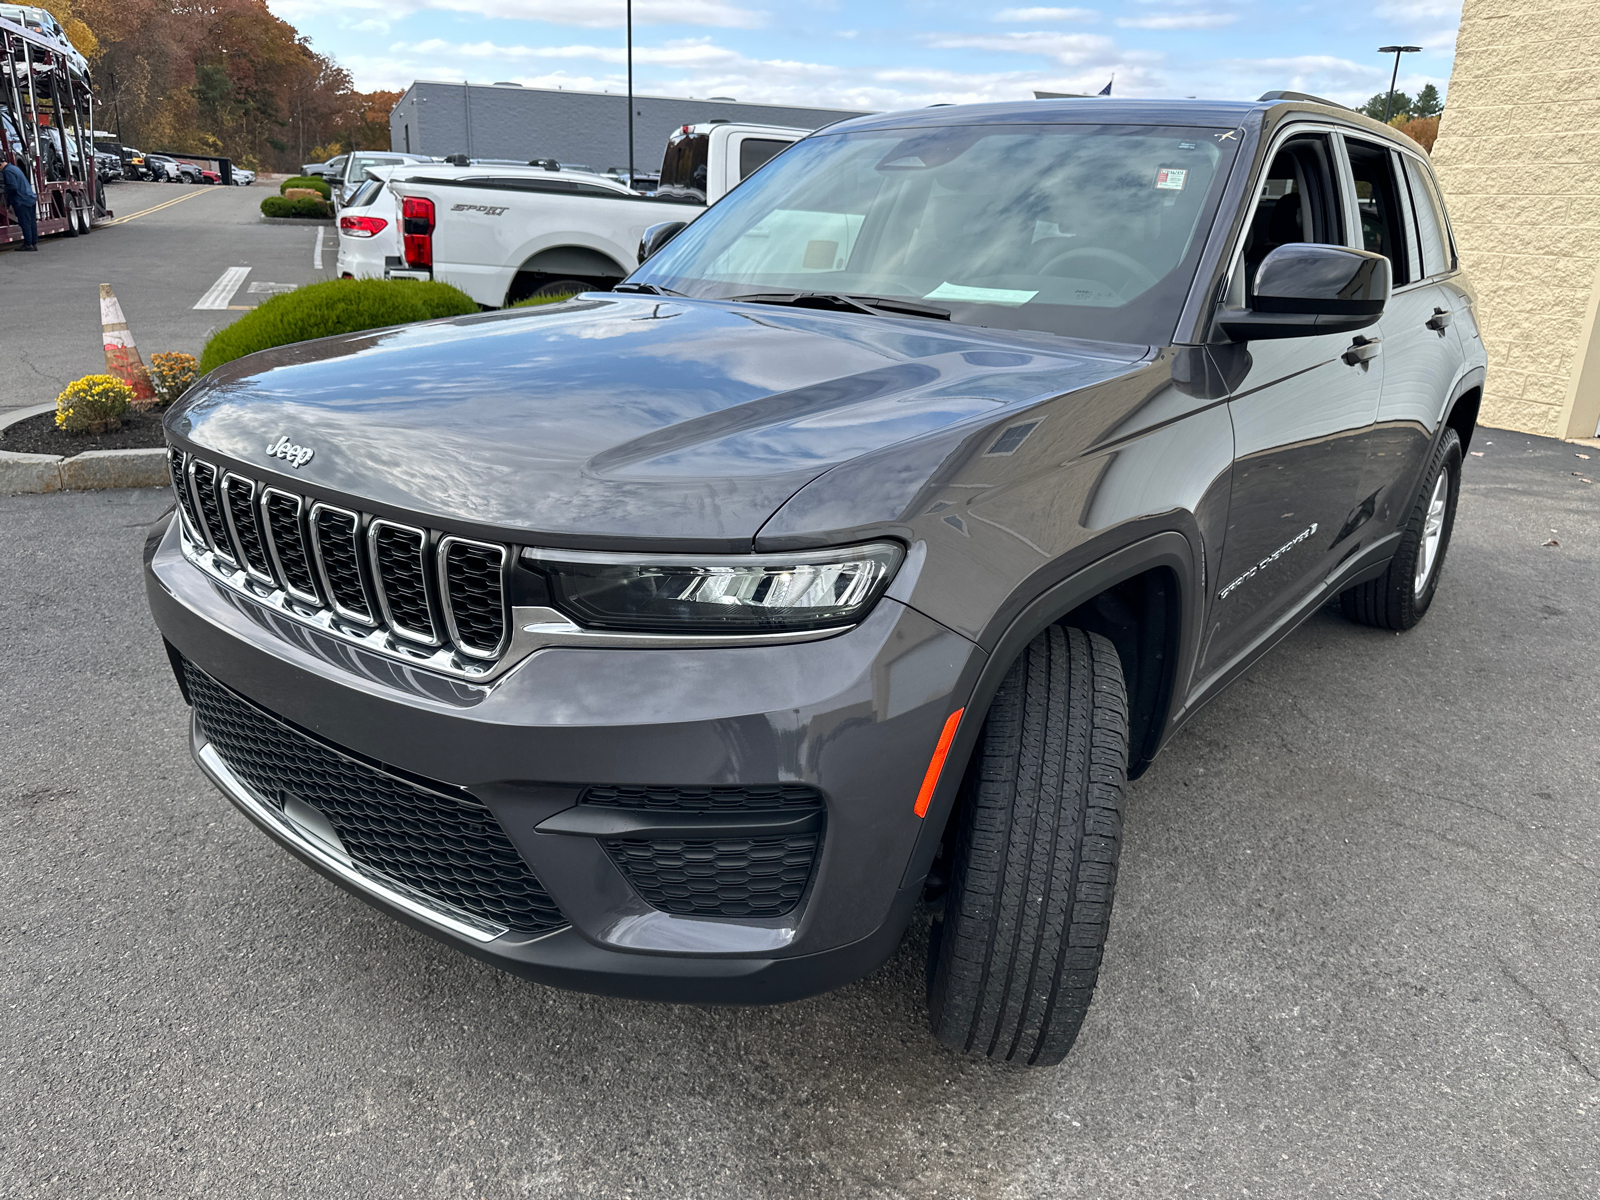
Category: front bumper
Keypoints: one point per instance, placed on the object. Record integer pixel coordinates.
(855, 716)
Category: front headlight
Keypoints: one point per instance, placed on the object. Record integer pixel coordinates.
(731, 594)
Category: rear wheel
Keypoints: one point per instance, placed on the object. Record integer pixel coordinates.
(1016, 953)
(1402, 595)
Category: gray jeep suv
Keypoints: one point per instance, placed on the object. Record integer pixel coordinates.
(689, 641)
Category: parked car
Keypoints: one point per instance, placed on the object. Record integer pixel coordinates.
(329, 171)
(369, 234)
(354, 172)
(42, 21)
(520, 232)
(164, 168)
(207, 175)
(107, 166)
(243, 177)
(682, 642)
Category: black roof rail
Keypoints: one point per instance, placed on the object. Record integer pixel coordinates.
(1309, 99)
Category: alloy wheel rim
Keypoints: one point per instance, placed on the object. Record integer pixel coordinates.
(1432, 533)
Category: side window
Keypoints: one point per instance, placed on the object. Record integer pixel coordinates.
(1438, 256)
(754, 152)
(1298, 202)
(1378, 200)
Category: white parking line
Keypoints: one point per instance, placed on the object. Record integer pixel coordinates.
(222, 290)
(316, 252)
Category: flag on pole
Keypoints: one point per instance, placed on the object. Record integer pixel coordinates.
(1106, 91)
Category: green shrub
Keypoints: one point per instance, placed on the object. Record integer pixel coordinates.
(302, 206)
(307, 181)
(532, 300)
(332, 307)
(93, 404)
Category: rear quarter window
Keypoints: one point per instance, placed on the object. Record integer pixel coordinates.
(754, 152)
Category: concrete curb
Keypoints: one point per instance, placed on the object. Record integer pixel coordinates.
(295, 220)
(22, 474)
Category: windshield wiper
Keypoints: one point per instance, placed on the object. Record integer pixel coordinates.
(840, 302)
(648, 289)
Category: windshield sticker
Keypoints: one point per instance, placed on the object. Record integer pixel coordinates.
(1171, 178)
(979, 295)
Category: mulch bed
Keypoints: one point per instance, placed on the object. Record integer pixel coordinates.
(39, 435)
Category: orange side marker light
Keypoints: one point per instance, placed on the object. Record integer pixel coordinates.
(931, 779)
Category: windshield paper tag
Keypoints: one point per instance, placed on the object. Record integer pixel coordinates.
(1171, 178)
(979, 295)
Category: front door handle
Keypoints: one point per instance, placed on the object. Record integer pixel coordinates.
(1363, 350)
(1440, 319)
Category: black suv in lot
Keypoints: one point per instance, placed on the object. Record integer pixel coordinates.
(686, 642)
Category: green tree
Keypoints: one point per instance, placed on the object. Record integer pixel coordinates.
(1427, 103)
(1400, 106)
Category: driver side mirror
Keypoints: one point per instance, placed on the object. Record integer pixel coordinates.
(1304, 289)
(658, 236)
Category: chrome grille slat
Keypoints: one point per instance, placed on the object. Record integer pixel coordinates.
(238, 496)
(286, 543)
(203, 485)
(177, 471)
(472, 594)
(435, 600)
(400, 577)
(336, 543)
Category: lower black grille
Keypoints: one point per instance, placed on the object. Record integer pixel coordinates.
(722, 877)
(288, 540)
(473, 589)
(239, 495)
(397, 564)
(445, 846)
(335, 532)
(720, 798)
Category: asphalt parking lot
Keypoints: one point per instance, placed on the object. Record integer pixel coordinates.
(1356, 950)
(169, 245)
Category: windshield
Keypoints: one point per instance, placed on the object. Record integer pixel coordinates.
(1084, 230)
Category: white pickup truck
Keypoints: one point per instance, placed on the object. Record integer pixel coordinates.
(503, 238)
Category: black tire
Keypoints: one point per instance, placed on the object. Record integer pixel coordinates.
(1393, 600)
(1015, 955)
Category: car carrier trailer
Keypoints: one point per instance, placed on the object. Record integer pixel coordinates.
(46, 115)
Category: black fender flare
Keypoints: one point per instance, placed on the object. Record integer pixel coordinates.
(1168, 550)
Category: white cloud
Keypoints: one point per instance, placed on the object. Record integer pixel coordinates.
(1020, 15)
(1179, 21)
(1069, 49)
(592, 14)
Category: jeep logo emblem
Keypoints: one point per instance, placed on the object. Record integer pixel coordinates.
(295, 456)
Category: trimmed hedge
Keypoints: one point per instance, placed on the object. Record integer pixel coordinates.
(300, 206)
(307, 181)
(332, 307)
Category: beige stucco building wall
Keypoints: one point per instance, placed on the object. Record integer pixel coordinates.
(1519, 157)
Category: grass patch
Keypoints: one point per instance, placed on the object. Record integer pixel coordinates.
(332, 307)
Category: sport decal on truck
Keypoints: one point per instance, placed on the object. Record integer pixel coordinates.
(488, 210)
(1268, 560)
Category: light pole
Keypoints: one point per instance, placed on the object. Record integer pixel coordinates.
(1397, 51)
(630, 96)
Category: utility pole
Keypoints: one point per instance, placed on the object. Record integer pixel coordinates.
(1397, 51)
(630, 95)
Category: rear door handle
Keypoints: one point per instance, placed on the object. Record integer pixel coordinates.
(1362, 350)
(1439, 320)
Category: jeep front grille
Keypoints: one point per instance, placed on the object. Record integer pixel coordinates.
(411, 592)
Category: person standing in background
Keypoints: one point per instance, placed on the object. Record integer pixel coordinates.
(24, 201)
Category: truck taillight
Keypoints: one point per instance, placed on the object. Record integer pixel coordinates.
(416, 215)
(362, 227)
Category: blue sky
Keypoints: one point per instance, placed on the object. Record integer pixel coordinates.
(889, 53)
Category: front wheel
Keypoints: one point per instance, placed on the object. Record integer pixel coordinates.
(1402, 595)
(1016, 954)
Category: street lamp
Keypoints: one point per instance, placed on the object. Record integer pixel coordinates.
(630, 97)
(1397, 51)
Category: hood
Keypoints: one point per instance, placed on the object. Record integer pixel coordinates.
(613, 418)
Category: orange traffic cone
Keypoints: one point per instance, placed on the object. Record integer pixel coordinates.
(122, 356)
